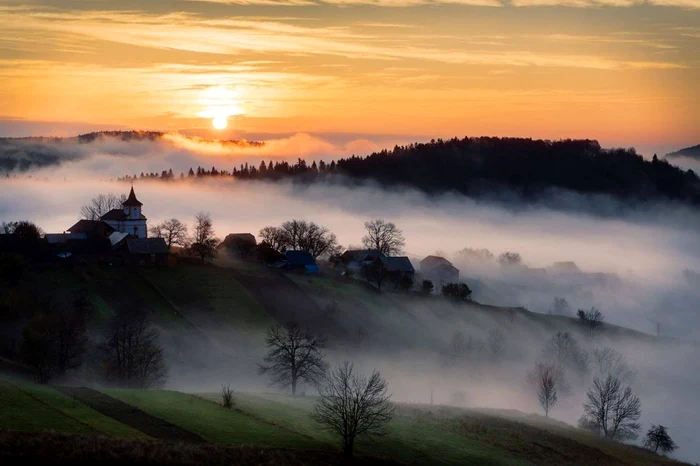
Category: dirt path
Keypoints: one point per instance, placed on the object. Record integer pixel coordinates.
(130, 415)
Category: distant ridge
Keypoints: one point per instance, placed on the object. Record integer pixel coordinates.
(692, 152)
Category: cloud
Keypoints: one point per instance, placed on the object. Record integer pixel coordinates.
(187, 32)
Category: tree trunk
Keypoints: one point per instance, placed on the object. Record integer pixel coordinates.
(348, 447)
(294, 385)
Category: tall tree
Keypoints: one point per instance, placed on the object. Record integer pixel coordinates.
(204, 241)
(302, 235)
(657, 438)
(24, 230)
(38, 349)
(173, 231)
(293, 355)
(100, 205)
(612, 408)
(274, 237)
(352, 406)
(384, 237)
(135, 358)
(545, 379)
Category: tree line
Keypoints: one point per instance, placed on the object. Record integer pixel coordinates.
(482, 166)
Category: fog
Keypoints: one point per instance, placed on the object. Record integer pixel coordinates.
(633, 265)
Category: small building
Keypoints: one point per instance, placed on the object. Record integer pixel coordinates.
(145, 251)
(91, 228)
(356, 260)
(397, 267)
(301, 261)
(62, 238)
(129, 218)
(439, 270)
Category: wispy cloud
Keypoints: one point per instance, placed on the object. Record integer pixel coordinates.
(692, 4)
(187, 32)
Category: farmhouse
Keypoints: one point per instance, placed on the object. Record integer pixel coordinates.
(397, 267)
(355, 260)
(439, 270)
(301, 261)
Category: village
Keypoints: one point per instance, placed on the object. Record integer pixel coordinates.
(120, 237)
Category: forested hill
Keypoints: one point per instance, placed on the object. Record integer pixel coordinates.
(478, 166)
(693, 152)
(485, 166)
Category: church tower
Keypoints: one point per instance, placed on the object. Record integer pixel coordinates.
(129, 218)
(132, 207)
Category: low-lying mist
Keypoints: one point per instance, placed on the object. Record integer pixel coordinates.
(634, 265)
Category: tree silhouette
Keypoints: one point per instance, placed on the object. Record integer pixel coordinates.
(293, 355)
(352, 406)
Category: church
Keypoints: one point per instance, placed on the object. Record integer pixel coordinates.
(129, 218)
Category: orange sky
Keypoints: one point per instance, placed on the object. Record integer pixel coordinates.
(621, 71)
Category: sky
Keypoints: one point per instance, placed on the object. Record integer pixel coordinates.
(624, 72)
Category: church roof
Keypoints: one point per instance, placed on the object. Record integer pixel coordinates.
(131, 200)
(97, 227)
(118, 215)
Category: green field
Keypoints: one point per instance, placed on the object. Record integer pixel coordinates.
(33, 408)
(419, 434)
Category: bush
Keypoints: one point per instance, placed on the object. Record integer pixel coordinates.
(227, 396)
(457, 291)
(428, 286)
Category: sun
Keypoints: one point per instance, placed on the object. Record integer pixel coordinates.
(219, 122)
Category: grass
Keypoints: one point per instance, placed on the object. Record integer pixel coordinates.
(61, 448)
(410, 441)
(79, 412)
(419, 434)
(20, 411)
(212, 421)
(207, 294)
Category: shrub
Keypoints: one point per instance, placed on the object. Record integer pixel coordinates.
(227, 396)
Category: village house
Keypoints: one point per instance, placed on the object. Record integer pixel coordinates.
(439, 270)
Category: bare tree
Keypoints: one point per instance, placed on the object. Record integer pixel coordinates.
(565, 351)
(657, 438)
(592, 318)
(293, 355)
(496, 344)
(383, 236)
(100, 205)
(303, 236)
(612, 409)
(510, 259)
(481, 256)
(560, 307)
(23, 229)
(134, 357)
(71, 338)
(204, 241)
(274, 237)
(545, 379)
(227, 396)
(609, 361)
(173, 231)
(352, 406)
(38, 347)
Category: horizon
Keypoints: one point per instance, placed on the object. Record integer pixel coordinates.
(620, 72)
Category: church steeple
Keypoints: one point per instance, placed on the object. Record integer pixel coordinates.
(131, 200)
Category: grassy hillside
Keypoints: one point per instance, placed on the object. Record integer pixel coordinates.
(34, 408)
(419, 434)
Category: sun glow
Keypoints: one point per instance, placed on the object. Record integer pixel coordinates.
(220, 122)
(219, 104)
